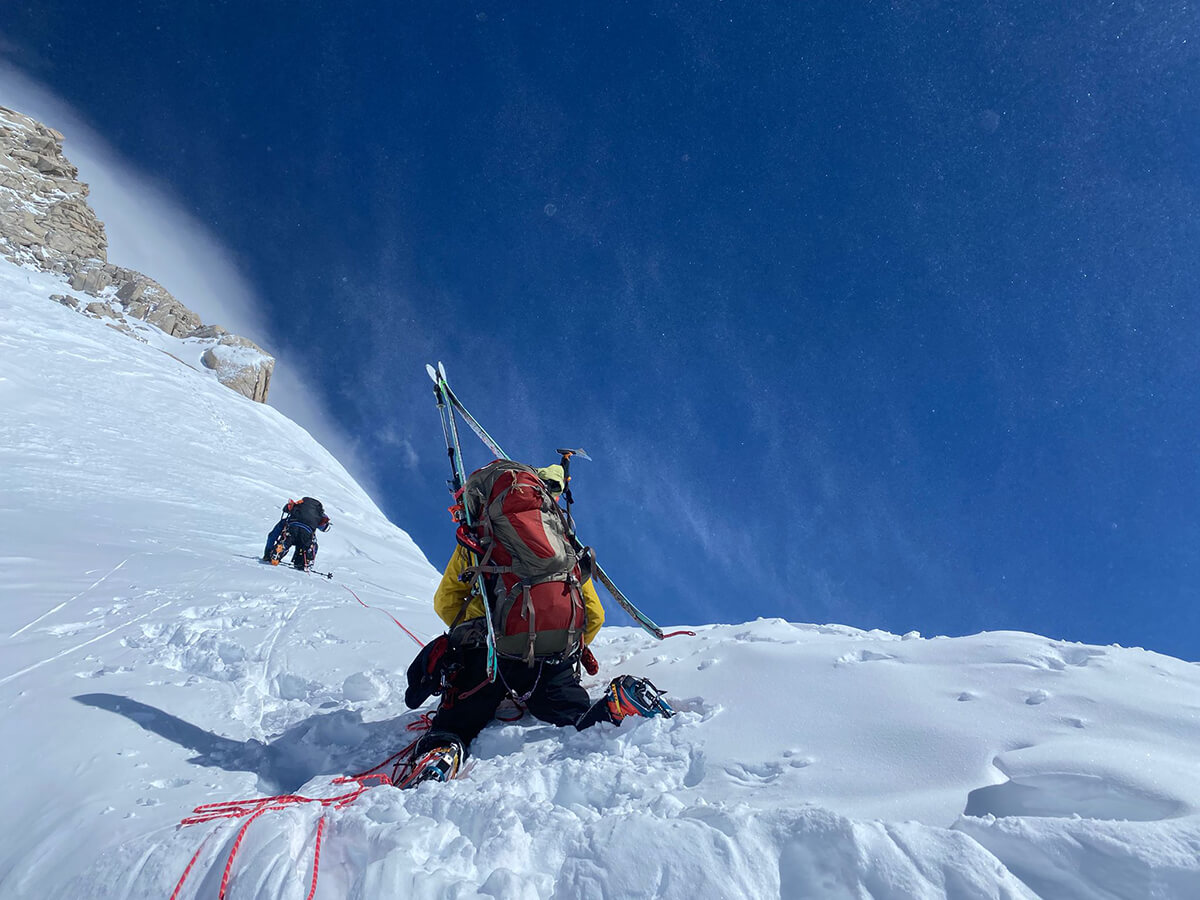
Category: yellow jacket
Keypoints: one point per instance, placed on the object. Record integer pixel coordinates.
(450, 594)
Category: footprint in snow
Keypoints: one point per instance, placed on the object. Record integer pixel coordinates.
(1080, 656)
(761, 774)
(861, 656)
(797, 760)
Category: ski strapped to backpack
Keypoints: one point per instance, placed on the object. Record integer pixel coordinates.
(446, 396)
(441, 392)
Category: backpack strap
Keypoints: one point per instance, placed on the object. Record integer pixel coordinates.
(468, 574)
(530, 615)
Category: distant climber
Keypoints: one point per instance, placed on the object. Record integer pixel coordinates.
(545, 613)
(297, 528)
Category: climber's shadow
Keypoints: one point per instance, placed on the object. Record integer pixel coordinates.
(335, 743)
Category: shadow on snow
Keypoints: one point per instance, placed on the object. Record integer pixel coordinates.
(335, 743)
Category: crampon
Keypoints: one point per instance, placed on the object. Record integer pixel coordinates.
(630, 696)
(439, 764)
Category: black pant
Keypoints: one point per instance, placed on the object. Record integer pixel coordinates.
(551, 691)
(293, 534)
(301, 536)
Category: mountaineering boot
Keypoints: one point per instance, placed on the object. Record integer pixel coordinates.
(303, 560)
(439, 764)
(630, 696)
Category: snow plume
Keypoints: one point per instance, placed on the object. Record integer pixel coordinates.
(147, 226)
(152, 665)
(150, 231)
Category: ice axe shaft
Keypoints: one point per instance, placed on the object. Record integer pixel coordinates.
(566, 454)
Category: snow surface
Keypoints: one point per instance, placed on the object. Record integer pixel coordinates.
(151, 664)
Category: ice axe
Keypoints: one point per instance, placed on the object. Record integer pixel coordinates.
(565, 462)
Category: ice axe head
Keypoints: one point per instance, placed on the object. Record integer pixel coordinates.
(566, 454)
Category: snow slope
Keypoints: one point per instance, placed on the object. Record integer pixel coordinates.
(151, 664)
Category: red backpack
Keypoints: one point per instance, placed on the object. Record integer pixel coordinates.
(519, 534)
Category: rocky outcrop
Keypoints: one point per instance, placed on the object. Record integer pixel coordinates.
(45, 221)
(239, 363)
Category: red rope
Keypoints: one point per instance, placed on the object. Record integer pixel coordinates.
(316, 858)
(187, 871)
(676, 633)
(409, 773)
(404, 771)
(411, 770)
(420, 643)
(237, 842)
(252, 808)
(421, 723)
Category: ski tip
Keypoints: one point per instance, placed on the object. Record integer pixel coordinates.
(441, 370)
(432, 372)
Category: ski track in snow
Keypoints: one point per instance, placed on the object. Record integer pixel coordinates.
(806, 761)
(87, 590)
(77, 647)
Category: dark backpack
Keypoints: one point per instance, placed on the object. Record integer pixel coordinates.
(308, 511)
(531, 571)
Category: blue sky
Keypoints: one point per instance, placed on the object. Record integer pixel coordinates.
(882, 315)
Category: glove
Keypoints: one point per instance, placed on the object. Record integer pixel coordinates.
(589, 661)
(586, 558)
